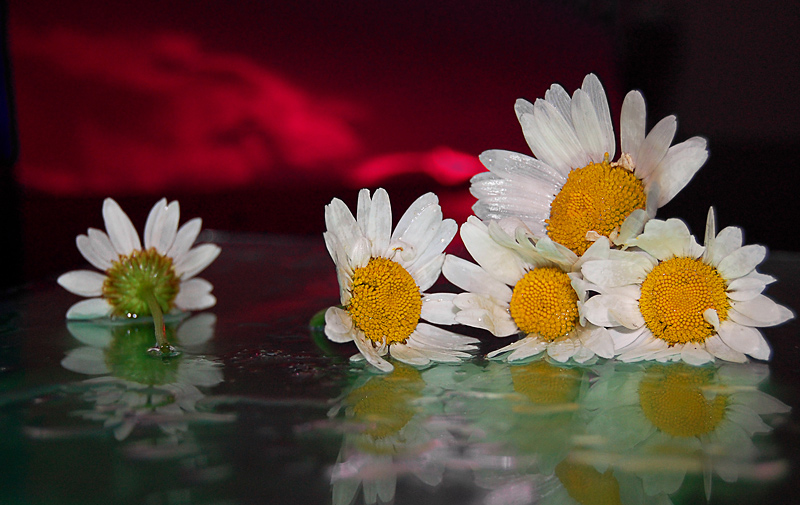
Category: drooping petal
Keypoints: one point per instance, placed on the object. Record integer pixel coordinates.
(83, 282)
(409, 355)
(474, 279)
(431, 337)
(500, 262)
(695, 354)
(483, 312)
(195, 294)
(89, 309)
(120, 230)
(716, 346)
(338, 325)
(370, 354)
(196, 260)
(678, 167)
(562, 349)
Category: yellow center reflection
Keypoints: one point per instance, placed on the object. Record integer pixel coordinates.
(588, 486)
(674, 398)
(545, 384)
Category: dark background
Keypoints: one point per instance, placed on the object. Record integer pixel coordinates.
(255, 114)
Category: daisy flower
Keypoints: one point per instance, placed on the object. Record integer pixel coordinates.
(524, 287)
(140, 281)
(665, 420)
(382, 277)
(571, 192)
(674, 299)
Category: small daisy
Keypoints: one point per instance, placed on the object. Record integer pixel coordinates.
(571, 191)
(382, 277)
(674, 299)
(141, 281)
(524, 288)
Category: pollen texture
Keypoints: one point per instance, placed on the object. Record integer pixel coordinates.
(385, 302)
(598, 197)
(131, 276)
(545, 303)
(674, 296)
(673, 399)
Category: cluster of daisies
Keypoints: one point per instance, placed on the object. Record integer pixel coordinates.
(568, 256)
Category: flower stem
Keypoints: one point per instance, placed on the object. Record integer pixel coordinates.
(162, 345)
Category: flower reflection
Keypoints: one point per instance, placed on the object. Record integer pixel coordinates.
(133, 387)
(390, 432)
(663, 421)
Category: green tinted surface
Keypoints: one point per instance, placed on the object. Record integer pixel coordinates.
(261, 408)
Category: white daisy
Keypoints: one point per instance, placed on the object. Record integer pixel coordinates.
(382, 277)
(141, 281)
(674, 299)
(664, 420)
(570, 192)
(523, 286)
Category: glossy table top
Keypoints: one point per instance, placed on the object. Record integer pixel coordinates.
(261, 408)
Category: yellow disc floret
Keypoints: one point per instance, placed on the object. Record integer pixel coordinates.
(385, 301)
(545, 303)
(598, 197)
(674, 296)
(132, 278)
(672, 398)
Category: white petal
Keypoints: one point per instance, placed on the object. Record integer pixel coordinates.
(726, 241)
(500, 262)
(667, 239)
(483, 312)
(760, 311)
(678, 167)
(599, 341)
(472, 278)
(552, 138)
(623, 337)
(338, 325)
(743, 339)
(655, 147)
(102, 245)
(370, 354)
(431, 337)
(120, 230)
(614, 273)
(162, 226)
(362, 210)
(184, 239)
(379, 227)
(97, 260)
(603, 310)
(417, 223)
(591, 85)
(530, 346)
(438, 308)
(721, 350)
(741, 261)
(195, 294)
(694, 354)
(587, 127)
(408, 355)
(196, 260)
(748, 287)
(632, 123)
(83, 282)
(89, 309)
(711, 317)
(562, 349)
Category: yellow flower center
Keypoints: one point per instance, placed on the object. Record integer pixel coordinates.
(383, 404)
(586, 485)
(545, 384)
(131, 279)
(672, 398)
(598, 197)
(385, 302)
(674, 296)
(545, 303)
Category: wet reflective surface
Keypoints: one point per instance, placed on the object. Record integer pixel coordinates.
(260, 408)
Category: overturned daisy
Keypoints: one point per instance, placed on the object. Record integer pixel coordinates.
(138, 281)
(525, 287)
(382, 279)
(571, 191)
(673, 299)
